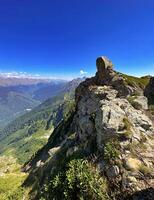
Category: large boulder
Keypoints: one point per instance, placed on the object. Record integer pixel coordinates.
(105, 71)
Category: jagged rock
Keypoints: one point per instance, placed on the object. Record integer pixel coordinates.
(102, 107)
(101, 114)
(105, 76)
(142, 101)
(54, 150)
(105, 71)
(39, 163)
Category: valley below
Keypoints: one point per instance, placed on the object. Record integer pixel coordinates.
(20, 95)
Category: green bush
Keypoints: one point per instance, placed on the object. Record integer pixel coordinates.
(111, 150)
(79, 181)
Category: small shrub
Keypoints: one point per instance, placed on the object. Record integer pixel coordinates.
(111, 150)
(127, 124)
(78, 181)
(127, 127)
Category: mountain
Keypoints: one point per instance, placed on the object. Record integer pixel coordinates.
(16, 81)
(20, 95)
(104, 148)
(26, 134)
(56, 88)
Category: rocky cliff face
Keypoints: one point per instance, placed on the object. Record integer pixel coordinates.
(149, 91)
(110, 124)
(108, 111)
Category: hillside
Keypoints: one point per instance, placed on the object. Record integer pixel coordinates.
(20, 95)
(10, 177)
(26, 134)
(104, 149)
(14, 104)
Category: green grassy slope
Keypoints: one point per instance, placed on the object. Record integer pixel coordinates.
(23, 137)
(15, 105)
(10, 178)
(28, 133)
(133, 81)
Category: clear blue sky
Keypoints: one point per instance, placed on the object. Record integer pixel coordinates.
(62, 37)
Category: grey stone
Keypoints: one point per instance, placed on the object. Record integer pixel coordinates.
(113, 171)
(142, 101)
(101, 166)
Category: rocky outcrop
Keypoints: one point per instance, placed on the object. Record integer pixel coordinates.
(105, 76)
(104, 112)
(142, 102)
(105, 71)
(149, 91)
(104, 115)
(102, 106)
(107, 124)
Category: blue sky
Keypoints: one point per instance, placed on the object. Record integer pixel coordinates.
(60, 38)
